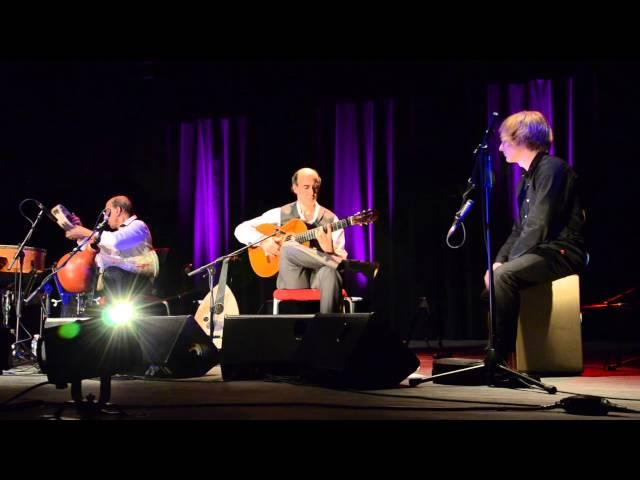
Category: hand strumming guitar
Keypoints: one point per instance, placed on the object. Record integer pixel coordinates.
(271, 246)
(323, 235)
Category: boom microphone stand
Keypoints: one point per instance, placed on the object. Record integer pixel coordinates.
(491, 363)
(19, 294)
(94, 238)
(217, 307)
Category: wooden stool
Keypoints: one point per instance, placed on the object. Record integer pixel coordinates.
(549, 337)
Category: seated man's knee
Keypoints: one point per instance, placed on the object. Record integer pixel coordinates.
(328, 274)
(287, 250)
(111, 273)
(503, 276)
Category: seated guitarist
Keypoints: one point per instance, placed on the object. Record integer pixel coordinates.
(301, 266)
(127, 260)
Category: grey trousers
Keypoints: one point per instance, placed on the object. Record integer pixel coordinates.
(304, 267)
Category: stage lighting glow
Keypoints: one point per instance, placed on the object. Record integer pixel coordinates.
(69, 331)
(119, 314)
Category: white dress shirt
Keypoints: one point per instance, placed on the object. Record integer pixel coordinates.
(129, 248)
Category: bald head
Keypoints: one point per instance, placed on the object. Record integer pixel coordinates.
(121, 209)
(305, 183)
(122, 202)
(305, 172)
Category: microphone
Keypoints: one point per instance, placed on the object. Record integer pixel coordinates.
(494, 118)
(106, 213)
(46, 211)
(485, 137)
(460, 214)
(492, 124)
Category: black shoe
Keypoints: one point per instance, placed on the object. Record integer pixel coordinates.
(370, 269)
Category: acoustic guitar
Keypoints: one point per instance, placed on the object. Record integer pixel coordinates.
(267, 266)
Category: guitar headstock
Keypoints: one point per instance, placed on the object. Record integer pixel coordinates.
(364, 217)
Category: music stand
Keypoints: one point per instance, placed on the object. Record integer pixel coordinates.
(491, 363)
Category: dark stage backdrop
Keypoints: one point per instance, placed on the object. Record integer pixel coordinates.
(78, 132)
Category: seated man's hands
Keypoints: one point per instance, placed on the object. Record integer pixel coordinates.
(271, 246)
(75, 219)
(77, 233)
(323, 235)
(486, 275)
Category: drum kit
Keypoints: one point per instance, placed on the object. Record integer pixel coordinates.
(13, 265)
(73, 283)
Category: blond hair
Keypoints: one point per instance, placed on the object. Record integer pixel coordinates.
(528, 128)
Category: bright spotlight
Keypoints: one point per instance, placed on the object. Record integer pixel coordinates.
(73, 349)
(119, 314)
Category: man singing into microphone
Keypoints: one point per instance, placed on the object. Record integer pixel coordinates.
(126, 260)
(546, 242)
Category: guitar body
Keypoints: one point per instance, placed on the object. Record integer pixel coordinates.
(296, 229)
(77, 275)
(265, 265)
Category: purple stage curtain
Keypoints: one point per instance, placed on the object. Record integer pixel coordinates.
(363, 151)
(211, 151)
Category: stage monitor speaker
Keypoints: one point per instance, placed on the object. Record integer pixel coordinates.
(354, 350)
(174, 346)
(5, 349)
(76, 348)
(256, 346)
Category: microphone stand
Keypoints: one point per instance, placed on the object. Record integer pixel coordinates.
(18, 296)
(491, 362)
(217, 307)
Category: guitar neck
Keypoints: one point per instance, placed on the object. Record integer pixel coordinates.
(311, 234)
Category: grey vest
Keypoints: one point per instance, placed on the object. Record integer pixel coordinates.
(325, 216)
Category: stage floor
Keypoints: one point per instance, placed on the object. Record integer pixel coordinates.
(211, 398)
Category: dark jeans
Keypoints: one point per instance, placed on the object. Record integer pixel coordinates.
(120, 284)
(511, 277)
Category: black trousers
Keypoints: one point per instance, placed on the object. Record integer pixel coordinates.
(121, 284)
(511, 277)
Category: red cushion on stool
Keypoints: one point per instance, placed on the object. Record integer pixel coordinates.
(300, 294)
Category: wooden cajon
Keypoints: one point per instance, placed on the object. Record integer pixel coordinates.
(549, 339)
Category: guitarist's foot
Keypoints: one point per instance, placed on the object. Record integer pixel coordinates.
(370, 269)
